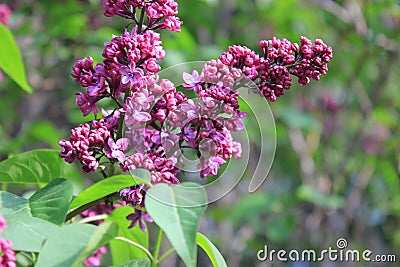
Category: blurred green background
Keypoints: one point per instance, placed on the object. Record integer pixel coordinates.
(336, 168)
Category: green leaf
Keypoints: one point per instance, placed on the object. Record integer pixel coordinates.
(12, 204)
(51, 203)
(65, 245)
(311, 194)
(36, 166)
(103, 234)
(136, 263)
(104, 188)
(27, 233)
(211, 250)
(177, 210)
(121, 251)
(11, 60)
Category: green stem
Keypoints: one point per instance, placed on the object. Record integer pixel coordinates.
(166, 254)
(110, 171)
(136, 245)
(121, 118)
(139, 29)
(94, 218)
(87, 206)
(154, 262)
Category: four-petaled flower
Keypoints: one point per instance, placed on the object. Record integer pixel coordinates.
(131, 76)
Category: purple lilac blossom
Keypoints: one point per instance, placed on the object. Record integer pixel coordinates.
(160, 13)
(139, 216)
(272, 71)
(160, 121)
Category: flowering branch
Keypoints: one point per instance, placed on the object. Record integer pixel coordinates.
(156, 123)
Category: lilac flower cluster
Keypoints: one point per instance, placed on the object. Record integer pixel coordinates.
(125, 60)
(272, 71)
(7, 256)
(160, 13)
(88, 144)
(153, 123)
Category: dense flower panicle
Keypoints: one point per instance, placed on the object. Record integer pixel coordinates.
(172, 23)
(203, 128)
(132, 47)
(216, 72)
(86, 144)
(122, 8)
(279, 51)
(272, 71)
(216, 82)
(274, 81)
(7, 255)
(128, 60)
(160, 122)
(314, 60)
(168, 102)
(83, 71)
(5, 13)
(242, 58)
(160, 13)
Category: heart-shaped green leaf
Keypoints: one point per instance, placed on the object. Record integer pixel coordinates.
(11, 60)
(27, 233)
(104, 188)
(36, 166)
(51, 203)
(177, 210)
